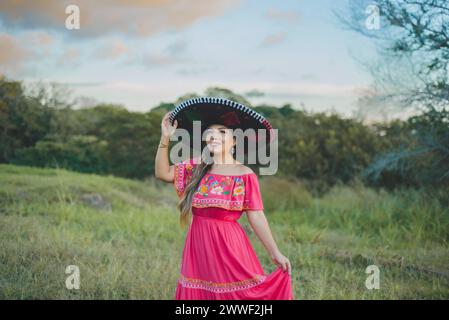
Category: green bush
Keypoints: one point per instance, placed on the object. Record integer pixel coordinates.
(78, 153)
(280, 194)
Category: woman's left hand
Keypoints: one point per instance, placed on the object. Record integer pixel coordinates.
(281, 260)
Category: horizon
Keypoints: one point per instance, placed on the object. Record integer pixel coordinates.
(147, 62)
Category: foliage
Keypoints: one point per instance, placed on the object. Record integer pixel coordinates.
(320, 149)
(413, 34)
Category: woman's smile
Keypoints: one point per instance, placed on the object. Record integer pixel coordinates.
(215, 144)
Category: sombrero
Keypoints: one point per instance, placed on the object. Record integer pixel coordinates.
(212, 110)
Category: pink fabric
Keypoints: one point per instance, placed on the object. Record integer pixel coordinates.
(218, 260)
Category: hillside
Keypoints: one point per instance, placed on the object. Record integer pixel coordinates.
(125, 238)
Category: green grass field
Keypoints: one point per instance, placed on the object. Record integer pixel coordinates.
(131, 248)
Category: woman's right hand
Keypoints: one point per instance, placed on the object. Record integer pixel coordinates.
(166, 128)
(280, 260)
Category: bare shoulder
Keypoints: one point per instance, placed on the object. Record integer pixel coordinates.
(244, 169)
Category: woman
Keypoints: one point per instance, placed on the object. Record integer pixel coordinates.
(218, 261)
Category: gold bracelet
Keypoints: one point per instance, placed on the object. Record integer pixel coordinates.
(161, 145)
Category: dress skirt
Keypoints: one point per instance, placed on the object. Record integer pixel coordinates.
(219, 262)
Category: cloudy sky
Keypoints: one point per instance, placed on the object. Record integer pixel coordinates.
(141, 52)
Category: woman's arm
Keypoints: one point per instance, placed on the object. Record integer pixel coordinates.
(163, 170)
(259, 223)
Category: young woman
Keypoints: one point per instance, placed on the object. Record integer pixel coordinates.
(218, 260)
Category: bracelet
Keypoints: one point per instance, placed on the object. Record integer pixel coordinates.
(161, 145)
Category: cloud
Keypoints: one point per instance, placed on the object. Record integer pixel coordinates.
(195, 71)
(308, 76)
(177, 47)
(39, 43)
(70, 57)
(39, 38)
(273, 39)
(132, 17)
(283, 16)
(12, 54)
(311, 88)
(151, 60)
(170, 55)
(112, 50)
(19, 52)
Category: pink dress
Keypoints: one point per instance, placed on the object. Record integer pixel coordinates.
(218, 260)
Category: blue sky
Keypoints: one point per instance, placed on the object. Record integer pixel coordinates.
(139, 53)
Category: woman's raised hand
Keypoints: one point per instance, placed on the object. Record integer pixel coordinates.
(166, 128)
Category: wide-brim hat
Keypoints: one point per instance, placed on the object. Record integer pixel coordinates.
(213, 110)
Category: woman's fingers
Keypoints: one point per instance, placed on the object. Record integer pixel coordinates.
(166, 117)
(286, 266)
(283, 262)
(166, 127)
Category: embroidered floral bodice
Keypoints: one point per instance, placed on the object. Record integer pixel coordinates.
(229, 192)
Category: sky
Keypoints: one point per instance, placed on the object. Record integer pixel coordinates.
(140, 53)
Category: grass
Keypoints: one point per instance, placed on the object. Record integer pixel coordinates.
(132, 250)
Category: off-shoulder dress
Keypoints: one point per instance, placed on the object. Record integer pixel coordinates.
(218, 260)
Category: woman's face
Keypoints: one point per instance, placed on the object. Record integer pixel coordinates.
(219, 138)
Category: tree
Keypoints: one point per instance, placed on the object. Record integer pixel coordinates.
(24, 120)
(414, 35)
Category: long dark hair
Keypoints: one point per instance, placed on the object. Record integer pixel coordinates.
(185, 203)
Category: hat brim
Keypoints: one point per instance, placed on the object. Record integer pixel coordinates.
(210, 111)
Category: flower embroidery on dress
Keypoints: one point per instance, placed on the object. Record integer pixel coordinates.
(216, 188)
(183, 172)
(226, 182)
(203, 189)
(239, 189)
(221, 187)
(219, 287)
(179, 178)
(230, 192)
